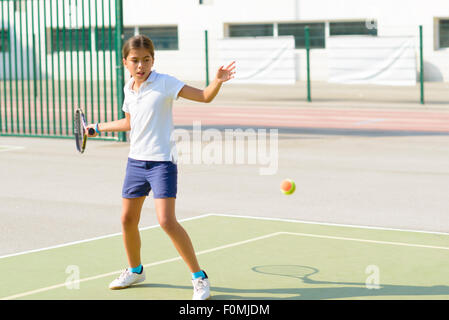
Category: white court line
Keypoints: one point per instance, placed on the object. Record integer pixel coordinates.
(92, 239)
(4, 148)
(232, 216)
(24, 294)
(354, 226)
(366, 240)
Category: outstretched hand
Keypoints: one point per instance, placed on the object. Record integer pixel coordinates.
(225, 74)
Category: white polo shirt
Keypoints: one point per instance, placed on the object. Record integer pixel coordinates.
(151, 117)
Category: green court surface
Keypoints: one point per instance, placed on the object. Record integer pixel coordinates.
(245, 258)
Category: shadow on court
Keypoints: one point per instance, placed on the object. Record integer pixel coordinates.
(337, 290)
(314, 262)
(366, 133)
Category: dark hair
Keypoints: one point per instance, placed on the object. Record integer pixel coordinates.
(137, 42)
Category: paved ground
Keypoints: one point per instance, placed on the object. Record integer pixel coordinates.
(375, 176)
(324, 94)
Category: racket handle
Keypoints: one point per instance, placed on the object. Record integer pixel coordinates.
(91, 131)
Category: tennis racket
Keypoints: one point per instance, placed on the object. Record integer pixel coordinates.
(80, 130)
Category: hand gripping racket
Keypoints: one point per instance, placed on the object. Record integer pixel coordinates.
(80, 130)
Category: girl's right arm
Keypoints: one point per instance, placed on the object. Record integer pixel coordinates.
(112, 126)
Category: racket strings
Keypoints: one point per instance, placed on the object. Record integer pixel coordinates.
(79, 131)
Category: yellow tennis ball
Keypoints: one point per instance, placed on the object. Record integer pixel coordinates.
(288, 186)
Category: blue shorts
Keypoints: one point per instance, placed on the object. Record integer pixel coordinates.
(144, 176)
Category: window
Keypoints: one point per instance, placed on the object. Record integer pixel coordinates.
(351, 28)
(251, 30)
(4, 40)
(104, 39)
(164, 38)
(18, 6)
(70, 39)
(128, 32)
(103, 42)
(316, 31)
(444, 33)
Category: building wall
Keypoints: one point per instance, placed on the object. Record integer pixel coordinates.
(394, 18)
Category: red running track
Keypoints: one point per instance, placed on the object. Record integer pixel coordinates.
(278, 117)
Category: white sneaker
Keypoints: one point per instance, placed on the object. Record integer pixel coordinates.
(126, 279)
(201, 288)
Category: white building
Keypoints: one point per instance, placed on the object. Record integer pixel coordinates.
(179, 26)
(31, 45)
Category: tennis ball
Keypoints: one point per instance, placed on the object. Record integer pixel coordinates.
(288, 186)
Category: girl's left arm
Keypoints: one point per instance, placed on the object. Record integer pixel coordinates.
(209, 93)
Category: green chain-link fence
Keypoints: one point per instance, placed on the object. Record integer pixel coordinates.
(55, 56)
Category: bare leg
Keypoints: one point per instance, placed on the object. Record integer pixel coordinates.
(165, 210)
(130, 227)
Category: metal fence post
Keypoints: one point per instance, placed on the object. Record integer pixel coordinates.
(307, 40)
(207, 56)
(118, 61)
(36, 45)
(421, 64)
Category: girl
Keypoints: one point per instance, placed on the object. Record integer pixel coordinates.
(151, 166)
